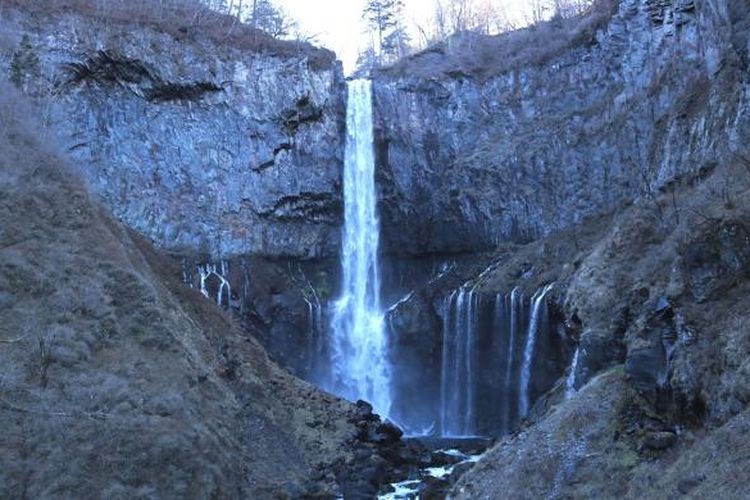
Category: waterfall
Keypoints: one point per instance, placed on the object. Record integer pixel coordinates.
(316, 347)
(537, 304)
(458, 380)
(205, 272)
(570, 382)
(446, 374)
(471, 369)
(516, 299)
(358, 337)
(482, 353)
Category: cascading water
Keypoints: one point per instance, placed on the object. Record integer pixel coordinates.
(207, 271)
(570, 382)
(537, 304)
(487, 360)
(316, 347)
(358, 337)
(471, 368)
(515, 305)
(448, 359)
(457, 381)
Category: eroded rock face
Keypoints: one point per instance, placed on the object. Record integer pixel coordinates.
(200, 146)
(120, 380)
(282, 302)
(657, 303)
(469, 160)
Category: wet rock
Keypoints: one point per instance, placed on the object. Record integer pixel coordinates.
(433, 488)
(440, 459)
(364, 411)
(387, 432)
(660, 441)
(646, 367)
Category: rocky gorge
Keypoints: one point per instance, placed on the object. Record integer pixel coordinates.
(576, 190)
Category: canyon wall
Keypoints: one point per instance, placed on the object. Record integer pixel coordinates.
(219, 149)
(489, 139)
(202, 146)
(481, 149)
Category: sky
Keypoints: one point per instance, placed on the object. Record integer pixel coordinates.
(338, 24)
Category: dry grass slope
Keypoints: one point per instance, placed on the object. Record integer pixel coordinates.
(117, 381)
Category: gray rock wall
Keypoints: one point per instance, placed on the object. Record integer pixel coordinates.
(201, 146)
(467, 161)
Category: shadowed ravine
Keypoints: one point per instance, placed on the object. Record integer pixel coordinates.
(509, 263)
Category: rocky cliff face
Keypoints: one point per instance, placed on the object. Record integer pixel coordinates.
(218, 152)
(655, 299)
(479, 145)
(644, 110)
(199, 145)
(120, 381)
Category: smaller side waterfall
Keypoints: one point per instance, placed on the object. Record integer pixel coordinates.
(570, 382)
(457, 381)
(516, 300)
(317, 348)
(487, 363)
(448, 358)
(221, 274)
(537, 304)
(471, 363)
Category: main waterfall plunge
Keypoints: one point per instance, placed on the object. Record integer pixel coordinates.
(359, 361)
(489, 373)
(477, 362)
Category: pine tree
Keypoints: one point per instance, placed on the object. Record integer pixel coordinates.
(395, 44)
(383, 16)
(366, 62)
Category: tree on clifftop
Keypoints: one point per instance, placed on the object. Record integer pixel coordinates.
(384, 19)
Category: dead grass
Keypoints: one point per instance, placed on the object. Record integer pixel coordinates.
(475, 55)
(183, 19)
(101, 339)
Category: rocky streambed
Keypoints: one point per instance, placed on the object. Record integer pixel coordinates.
(444, 463)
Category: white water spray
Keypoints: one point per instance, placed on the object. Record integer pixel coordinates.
(570, 382)
(205, 272)
(458, 382)
(528, 353)
(471, 386)
(446, 371)
(359, 344)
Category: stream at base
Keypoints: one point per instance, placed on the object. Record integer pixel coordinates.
(450, 459)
